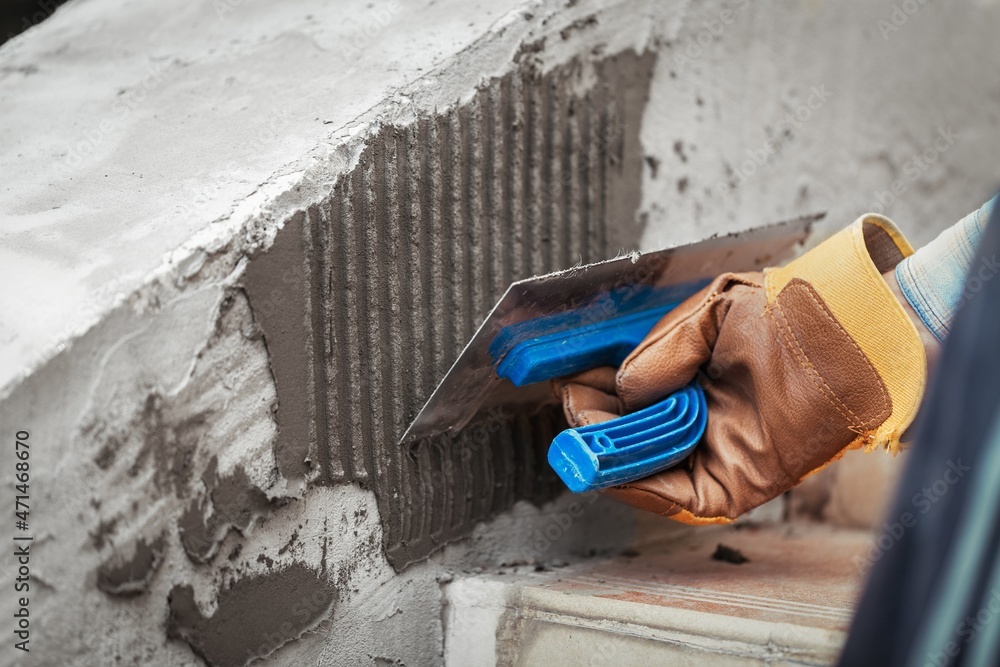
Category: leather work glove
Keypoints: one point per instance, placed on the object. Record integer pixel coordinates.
(798, 363)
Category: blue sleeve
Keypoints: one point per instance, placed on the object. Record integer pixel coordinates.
(938, 277)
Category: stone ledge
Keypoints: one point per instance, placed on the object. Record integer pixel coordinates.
(791, 603)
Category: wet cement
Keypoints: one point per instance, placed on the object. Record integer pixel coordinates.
(132, 576)
(230, 502)
(366, 299)
(254, 615)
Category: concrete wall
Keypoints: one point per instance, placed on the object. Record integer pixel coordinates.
(391, 275)
(761, 111)
(188, 210)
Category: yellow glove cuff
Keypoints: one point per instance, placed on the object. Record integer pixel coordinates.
(846, 270)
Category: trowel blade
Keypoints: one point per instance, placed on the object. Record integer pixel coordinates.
(472, 391)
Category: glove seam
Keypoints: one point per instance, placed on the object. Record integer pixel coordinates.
(811, 372)
(675, 505)
(883, 392)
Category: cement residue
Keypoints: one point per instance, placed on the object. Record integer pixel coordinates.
(102, 532)
(230, 502)
(275, 283)
(131, 576)
(254, 615)
(367, 298)
(166, 443)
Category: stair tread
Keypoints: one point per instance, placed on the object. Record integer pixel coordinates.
(792, 575)
(791, 602)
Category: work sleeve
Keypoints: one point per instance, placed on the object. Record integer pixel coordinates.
(939, 278)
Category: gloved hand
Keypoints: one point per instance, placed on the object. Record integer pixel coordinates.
(798, 363)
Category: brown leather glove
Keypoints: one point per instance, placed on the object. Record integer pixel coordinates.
(798, 364)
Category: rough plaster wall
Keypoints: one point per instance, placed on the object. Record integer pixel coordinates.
(124, 424)
(159, 466)
(193, 534)
(723, 156)
(132, 132)
(161, 513)
(392, 275)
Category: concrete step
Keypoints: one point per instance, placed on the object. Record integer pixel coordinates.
(672, 604)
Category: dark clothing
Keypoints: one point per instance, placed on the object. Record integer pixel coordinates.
(933, 596)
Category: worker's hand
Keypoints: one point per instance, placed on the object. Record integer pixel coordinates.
(798, 364)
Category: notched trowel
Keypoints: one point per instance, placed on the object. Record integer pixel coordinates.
(565, 322)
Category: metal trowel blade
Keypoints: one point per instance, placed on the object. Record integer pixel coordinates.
(471, 391)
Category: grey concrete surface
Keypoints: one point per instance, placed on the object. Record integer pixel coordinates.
(136, 138)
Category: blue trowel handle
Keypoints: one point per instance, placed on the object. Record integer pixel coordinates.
(620, 450)
(633, 446)
(568, 351)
